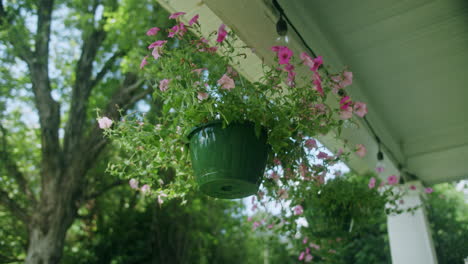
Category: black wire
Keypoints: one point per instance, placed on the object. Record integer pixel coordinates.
(369, 126)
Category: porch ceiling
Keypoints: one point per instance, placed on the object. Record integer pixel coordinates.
(411, 62)
(410, 59)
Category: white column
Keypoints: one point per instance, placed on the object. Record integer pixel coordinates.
(409, 234)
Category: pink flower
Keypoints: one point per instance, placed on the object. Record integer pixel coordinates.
(202, 96)
(104, 122)
(152, 31)
(317, 81)
(160, 196)
(345, 102)
(301, 256)
(158, 43)
(371, 183)
(322, 155)
(311, 143)
(308, 258)
(276, 161)
(164, 85)
(304, 241)
(255, 225)
(312, 245)
(360, 109)
(226, 82)
(176, 15)
(143, 62)
(193, 20)
(177, 30)
(361, 150)
(222, 33)
(307, 60)
(392, 179)
(298, 210)
(348, 79)
(270, 226)
(284, 55)
(317, 62)
(145, 188)
(133, 184)
(412, 187)
(156, 53)
(346, 113)
(428, 190)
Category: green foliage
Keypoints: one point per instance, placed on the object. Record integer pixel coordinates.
(448, 216)
(124, 227)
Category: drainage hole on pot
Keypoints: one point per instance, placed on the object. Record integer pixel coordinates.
(226, 188)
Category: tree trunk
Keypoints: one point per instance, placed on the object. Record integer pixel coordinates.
(51, 219)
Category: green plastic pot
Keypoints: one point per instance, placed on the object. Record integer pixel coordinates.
(228, 163)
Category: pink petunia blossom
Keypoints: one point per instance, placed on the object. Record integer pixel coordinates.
(304, 241)
(412, 187)
(346, 113)
(202, 96)
(284, 55)
(392, 179)
(255, 225)
(348, 79)
(428, 190)
(145, 188)
(133, 184)
(222, 33)
(104, 122)
(308, 258)
(317, 63)
(345, 102)
(317, 81)
(158, 43)
(164, 85)
(307, 60)
(371, 183)
(301, 256)
(360, 109)
(193, 20)
(143, 62)
(176, 15)
(312, 245)
(152, 31)
(156, 53)
(361, 150)
(298, 210)
(311, 143)
(322, 155)
(226, 82)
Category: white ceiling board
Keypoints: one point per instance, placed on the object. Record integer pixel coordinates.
(410, 59)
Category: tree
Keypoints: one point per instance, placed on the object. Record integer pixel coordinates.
(65, 58)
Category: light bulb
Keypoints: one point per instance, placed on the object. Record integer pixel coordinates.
(282, 30)
(282, 40)
(380, 166)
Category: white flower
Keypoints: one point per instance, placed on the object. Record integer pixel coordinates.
(104, 122)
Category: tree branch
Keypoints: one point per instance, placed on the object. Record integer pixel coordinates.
(100, 192)
(12, 168)
(13, 207)
(107, 67)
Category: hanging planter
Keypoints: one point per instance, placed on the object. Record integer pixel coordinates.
(228, 162)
